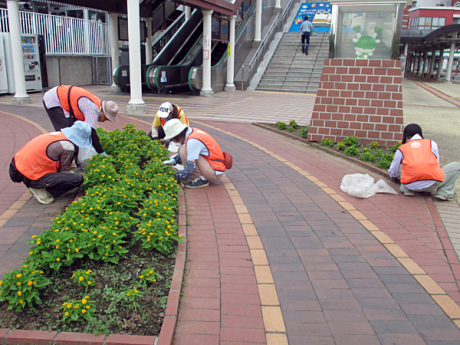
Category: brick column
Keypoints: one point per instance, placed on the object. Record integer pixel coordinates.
(362, 98)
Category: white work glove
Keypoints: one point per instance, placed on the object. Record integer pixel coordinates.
(171, 161)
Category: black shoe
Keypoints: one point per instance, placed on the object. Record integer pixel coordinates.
(306, 53)
(197, 183)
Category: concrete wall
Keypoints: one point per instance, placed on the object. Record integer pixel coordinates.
(69, 70)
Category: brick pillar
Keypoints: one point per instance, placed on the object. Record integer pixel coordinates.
(362, 98)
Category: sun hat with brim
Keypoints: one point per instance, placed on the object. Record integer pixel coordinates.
(165, 109)
(79, 134)
(110, 109)
(173, 128)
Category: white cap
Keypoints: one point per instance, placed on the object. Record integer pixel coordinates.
(173, 128)
(165, 109)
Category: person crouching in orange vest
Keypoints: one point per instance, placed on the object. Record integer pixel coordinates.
(66, 104)
(420, 171)
(44, 163)
(204, 160)
(166, 112)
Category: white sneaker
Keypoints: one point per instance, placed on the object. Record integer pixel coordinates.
(42, 195)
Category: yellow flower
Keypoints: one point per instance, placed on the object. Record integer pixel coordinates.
(69, 305)
(29, 282)
(30, 253)
(21, 301)
(58, 259)
(34, 236)
(1, 282)
(66, 313)
(58, 240)
(136, 291)
(19, 293)
(141, 277)
(83, 301)
(80, 279)
(18, 283)
(83, 311)
(87, 307)
(18, 275)
(77, 250)
(57, 247)
(89, 282)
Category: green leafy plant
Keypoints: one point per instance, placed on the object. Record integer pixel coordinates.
(351, 151)
(281, 125)
(366, 149)
(351, 141)
(148, 276)
(388, 157)
(304, 132)
(374, 145)
(384, 164)
(83, 278)
(395, 147)
(368, 157)
(293, 124)
(327, 142)
(291, 129)
(341, 146)
(20, 287)
(378, 153)
(78, 310)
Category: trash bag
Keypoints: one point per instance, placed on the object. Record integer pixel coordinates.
(173, 147)
(363, 186)
(84, 155)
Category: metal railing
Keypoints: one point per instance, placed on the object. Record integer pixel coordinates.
(63, 35)
(248, 71)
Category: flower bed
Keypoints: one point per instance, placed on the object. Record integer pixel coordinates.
(105, 266)
(372, 154)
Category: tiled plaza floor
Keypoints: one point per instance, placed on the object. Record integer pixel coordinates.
(335, 283)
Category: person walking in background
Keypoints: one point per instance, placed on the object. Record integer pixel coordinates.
(166, 112)
(305, 29)
(44, 163)
(201, 155)
(420, 171)
(66, 104)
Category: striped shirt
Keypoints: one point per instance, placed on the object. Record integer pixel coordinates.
(86, 106)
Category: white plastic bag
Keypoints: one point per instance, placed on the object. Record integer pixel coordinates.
(363, 186)
(173, 147)
(84, 155)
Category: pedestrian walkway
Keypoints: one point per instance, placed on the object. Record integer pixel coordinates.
(275, 251)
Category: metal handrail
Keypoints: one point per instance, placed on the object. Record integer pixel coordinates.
(277, 26)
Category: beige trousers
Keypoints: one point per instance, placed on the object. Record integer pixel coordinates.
(202, 168)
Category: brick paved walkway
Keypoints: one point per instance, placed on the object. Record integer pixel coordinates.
(335, 282)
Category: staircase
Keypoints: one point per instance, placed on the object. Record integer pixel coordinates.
(291, 71)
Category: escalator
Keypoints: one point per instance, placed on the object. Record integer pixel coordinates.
(172, 47)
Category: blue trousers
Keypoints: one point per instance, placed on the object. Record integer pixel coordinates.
(305, 38)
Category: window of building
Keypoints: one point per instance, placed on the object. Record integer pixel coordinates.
(428, 23)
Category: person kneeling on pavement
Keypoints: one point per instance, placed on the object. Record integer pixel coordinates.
(420, 171)
(204, 160)
(167, 111)
(44, 163)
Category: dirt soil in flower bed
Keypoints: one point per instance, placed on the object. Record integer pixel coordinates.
(385, 150)
(115, 314)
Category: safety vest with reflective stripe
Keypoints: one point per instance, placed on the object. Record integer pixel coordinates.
(181, 116)
(75, 94)
(216, 156)
(419, 162)
(32, 160)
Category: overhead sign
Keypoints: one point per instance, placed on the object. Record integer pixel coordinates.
(310, 9)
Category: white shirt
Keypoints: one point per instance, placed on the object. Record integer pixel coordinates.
(394, 168)
(195, 148)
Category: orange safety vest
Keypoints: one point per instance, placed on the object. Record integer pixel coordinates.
(419, 162)
(75, 94)
(216, 156)
(32, 160)
(179, 109)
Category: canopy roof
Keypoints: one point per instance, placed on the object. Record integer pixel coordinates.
(441, 38)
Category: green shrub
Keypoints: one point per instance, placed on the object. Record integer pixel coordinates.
(366, 149)
(327, 142)
(378, 153)
(384, 164)
(351, 151)
(388, 157)
(351, 141)
(368, 157)
(281, 125)
(291, 129)
(374, 145)
(293, 124)
(395, 147)
(341, 146)
(304, 132)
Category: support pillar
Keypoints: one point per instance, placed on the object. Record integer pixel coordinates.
(21, 96)
(425, 60)
(451, 59)
(148, 41)
(136, 105)
(277, 8)
(417, 59)
(258, 33)
(206, 89)
(230, 86)
(115, 53)
(431, 68)
(440, 63)
(406, 50)
(188, 12)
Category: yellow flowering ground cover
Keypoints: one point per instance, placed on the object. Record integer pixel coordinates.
(105, 265)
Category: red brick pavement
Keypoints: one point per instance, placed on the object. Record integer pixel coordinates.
(407, 221)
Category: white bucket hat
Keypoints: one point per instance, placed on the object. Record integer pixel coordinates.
(165, 109)
(110, 109)
(173, 128)
(79, 134)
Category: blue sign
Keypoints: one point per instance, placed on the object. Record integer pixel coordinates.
(324, 10)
